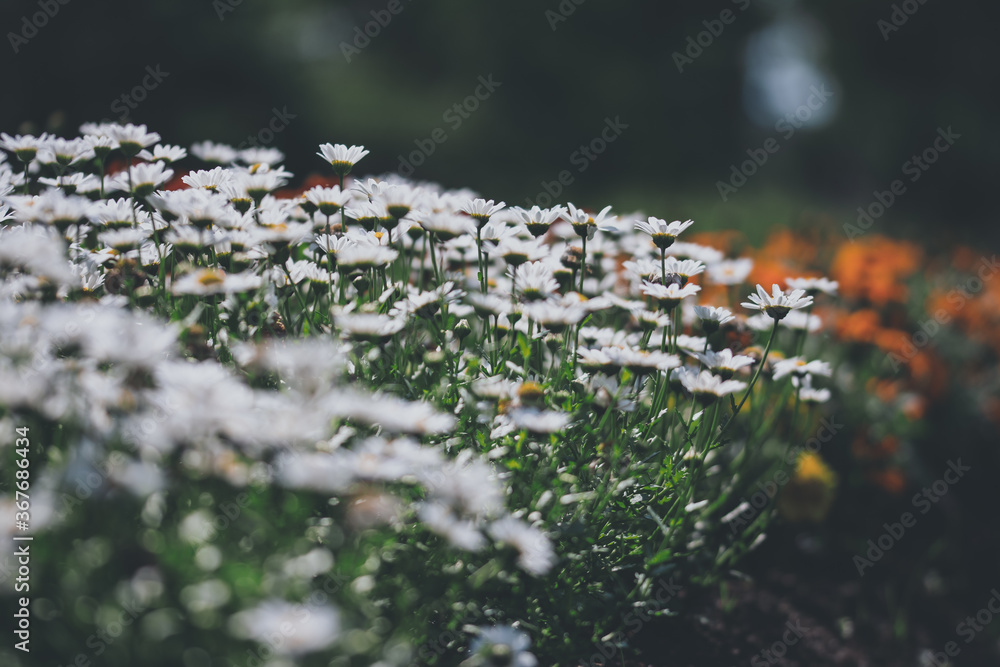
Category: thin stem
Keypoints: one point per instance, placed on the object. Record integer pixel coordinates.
(753, 380)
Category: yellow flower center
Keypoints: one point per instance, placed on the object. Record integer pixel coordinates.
(209, 278)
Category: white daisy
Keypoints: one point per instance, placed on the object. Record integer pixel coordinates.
(707, 388)
(723, 362)
(342, 158)
(133, 138)
(535, 554)
(730, 271)
(662, 232)
(538, 220)
(164, 153)
(814, 285)
(482, 210)
(300, 628)
(777, 304)
(712, 318)
(798, 366)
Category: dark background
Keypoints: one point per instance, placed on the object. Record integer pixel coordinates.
(229, 66)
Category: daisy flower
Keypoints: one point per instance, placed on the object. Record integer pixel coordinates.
(669, 296)
(101, 145)
(369, 327)
(599, 360)
(535, 553)
(123, 240)
(702, 253)
(712, 318)
(64, 152)
(662, 232)
(723, 362)
(342, 158)
(365, 256)
(538, 220)
(304, 628)
(460, 533)
(133, 138)
(447, 226)
(798, 366)
(538, 421)
(692, 343)
(260, 155)
(207, 179)
(807, 393)
(708, 388)
(208, 151)
(777, 304)
(553, 316)
(482, 210)
(305, 270)
(802, 321)
(584, 224)
(23, 146)
(685, 268)
(326, 200)
(401, 199)
(814, 286)
(534, 281)
(516, 252)
(164, 153)
(642, 362)
(215, 281)
(145, 179)
(730, 271)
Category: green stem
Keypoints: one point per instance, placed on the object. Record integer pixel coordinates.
(753, 380)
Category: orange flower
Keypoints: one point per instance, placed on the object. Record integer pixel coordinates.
(890, 479)
(874, 269)
(859, 326)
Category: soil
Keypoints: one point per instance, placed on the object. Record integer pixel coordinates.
(787, 609)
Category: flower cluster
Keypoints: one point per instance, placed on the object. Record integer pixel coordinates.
(434, 398)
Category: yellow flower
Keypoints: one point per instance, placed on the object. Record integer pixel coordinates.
(810, 492)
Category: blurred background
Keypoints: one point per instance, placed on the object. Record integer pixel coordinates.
(745, 113)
